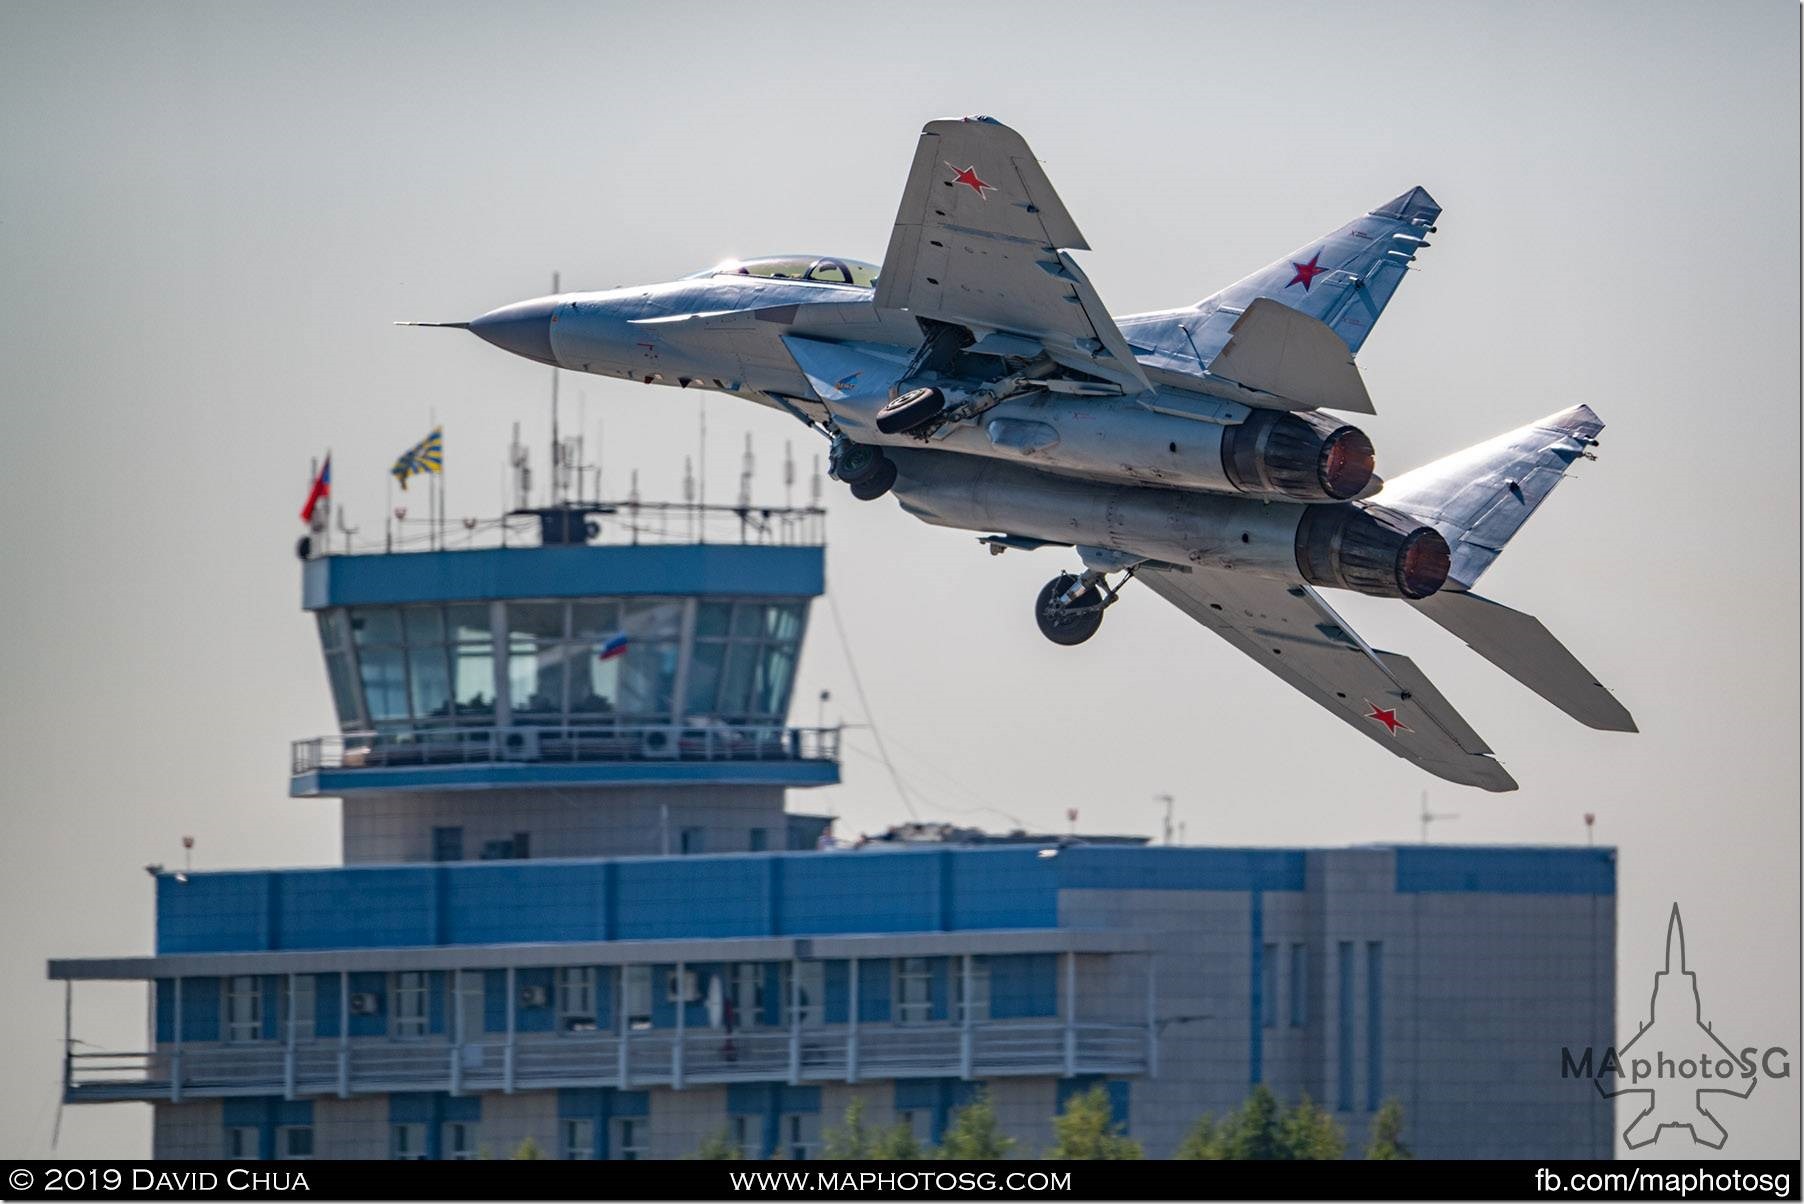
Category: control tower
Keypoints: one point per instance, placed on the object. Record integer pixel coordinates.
(579, 681)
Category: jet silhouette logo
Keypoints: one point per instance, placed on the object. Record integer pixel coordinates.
(1684, 1082)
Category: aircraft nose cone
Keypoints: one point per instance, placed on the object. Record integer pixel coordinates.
(523, 328)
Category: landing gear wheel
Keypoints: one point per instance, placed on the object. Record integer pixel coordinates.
(853, 462)
(913, 409)
(874, 486)
(1071, 623)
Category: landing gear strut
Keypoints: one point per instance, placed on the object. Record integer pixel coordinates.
(864, 468)
(1069, 608)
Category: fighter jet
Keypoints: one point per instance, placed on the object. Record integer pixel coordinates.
(977, 376)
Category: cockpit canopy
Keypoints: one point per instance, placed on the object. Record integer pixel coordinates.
(817, 269)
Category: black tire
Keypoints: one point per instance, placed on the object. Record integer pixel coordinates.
(913, 409)
(856, 461)
(1057, 623)
(869, 489)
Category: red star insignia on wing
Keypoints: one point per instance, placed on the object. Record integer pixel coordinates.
(968, 177)
(1307, 272)
(1392, 724)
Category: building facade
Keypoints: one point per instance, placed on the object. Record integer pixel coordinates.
(575, 910)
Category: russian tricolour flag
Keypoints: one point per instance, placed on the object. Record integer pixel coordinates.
(321, 491)
(614, 646)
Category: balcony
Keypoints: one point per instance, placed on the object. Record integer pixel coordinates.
(564, 755)
(652, 1058)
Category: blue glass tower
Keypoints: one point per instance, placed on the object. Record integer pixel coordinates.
(604, 696)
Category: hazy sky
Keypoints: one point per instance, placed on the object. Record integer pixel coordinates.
(209, 215)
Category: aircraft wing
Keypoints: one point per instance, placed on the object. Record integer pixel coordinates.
(981, 241)
(1291, 630)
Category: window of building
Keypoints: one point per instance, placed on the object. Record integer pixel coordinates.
(408, 1004)
(1299, 985)
(335, 641)
(801, 1135)
(638, 996)
(743, 660)
(428, 663)
(576, 998)
(448, 844)
(298, 1007)
(918, 1121)
(914, 990)
(595, 658)
(578, 1140)
(804, 993)
(537, 650)
(760, 840)
(241, 1142)
(631, 1134)
(458, 1141)
(977, 1008)
(381, 663)
(471, 646)
(244, 1008)
(1268, 987)
(748, 1135)
(407, 1142)
(294, 1141)
(747, 994)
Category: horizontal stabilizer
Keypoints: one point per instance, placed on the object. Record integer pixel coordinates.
(1274, 349)
(1520, 646)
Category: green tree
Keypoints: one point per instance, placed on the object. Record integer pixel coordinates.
(853, 1139)
(897, 1144)
(720, 1147)
(1204, 1142)
(1263, 1128)
(1309, 1134)
(1087, 1130)
(1386, 1143)
(974, 1134)
(1254, 1131)
(527, 1151)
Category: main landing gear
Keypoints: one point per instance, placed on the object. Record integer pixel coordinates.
(911, 411)
(865, 469)
(1069, 608)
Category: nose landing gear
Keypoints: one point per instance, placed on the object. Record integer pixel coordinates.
(865, 469)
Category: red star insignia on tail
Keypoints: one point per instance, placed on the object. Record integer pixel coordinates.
(1392, 724)
(1307, 272)
(968, 177)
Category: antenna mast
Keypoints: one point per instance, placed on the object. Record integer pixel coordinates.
(557, 455)
(1427, 817)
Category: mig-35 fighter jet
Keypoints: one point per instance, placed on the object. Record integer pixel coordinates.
(978, 377)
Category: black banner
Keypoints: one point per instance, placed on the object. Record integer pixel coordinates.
(1017, 1180)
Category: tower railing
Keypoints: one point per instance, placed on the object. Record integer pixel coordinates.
(578, 744)
(635, 1059)
(596, 524)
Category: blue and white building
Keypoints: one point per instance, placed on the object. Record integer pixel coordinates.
(575, 908)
